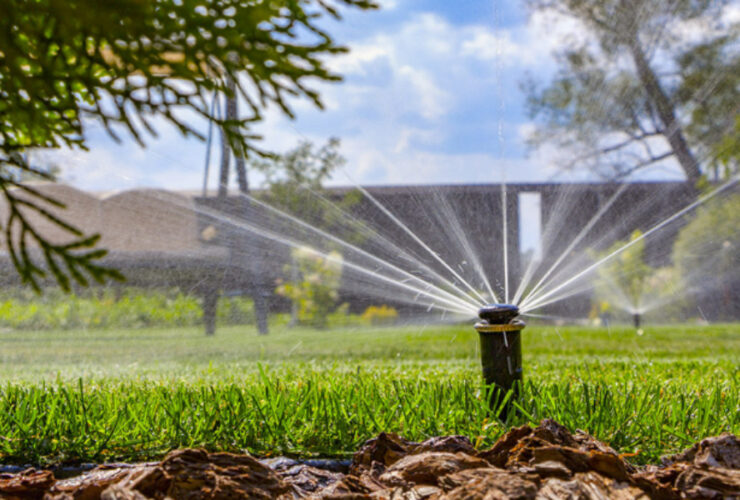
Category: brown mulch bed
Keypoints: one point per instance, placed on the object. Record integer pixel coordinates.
(546, 462)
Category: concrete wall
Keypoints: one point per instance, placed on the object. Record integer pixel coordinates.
(161, 224)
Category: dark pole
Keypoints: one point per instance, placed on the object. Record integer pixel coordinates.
(210, 305)
(223, 178)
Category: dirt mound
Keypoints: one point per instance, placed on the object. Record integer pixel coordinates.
(546, 462)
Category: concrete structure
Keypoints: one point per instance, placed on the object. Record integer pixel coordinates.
(160, 238)
(565, 209)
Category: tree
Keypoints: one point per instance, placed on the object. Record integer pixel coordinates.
(315, 289)
(295, 182)
(622, 281)
(728, 150)
(128, 64)
(295, 186)
(301, 168)
(635, 92)
(707, 257)
(710, 91)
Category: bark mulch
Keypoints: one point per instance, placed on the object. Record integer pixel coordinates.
(546, 462)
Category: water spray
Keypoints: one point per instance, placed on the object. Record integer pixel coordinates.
(500, 329)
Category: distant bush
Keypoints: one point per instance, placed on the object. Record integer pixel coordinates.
(623, 279)
(707, 257)
(341, 317)
(380, 315)
(627, 285)
(128, 308)
(314, 288)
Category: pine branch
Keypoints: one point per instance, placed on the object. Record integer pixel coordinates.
(75, 261)
(122, 64)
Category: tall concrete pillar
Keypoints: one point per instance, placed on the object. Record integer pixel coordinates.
(512, 238)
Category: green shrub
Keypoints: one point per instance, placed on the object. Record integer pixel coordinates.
(315, 289)
(235, 311)
(127, 308)
(622, 280)
(380, 315)
(707, 256)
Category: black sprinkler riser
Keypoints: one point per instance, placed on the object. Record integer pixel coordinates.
(501, 349)
(501, 358)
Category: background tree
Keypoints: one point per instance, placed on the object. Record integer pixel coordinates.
(728, 150)
(707, 258)
(622, 281)
(127, 64)
(635, 90)
(294, 183)
(314, 290)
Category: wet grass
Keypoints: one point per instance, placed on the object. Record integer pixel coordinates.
(132, 395)
(180, 352)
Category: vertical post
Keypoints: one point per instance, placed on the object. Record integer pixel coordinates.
(223, 178)
(512, 242)
(210, 306)
(294, 278)
(261, 309)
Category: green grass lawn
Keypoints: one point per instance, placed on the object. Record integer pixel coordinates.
(134, 394)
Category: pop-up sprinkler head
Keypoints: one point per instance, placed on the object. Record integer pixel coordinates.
(501, 350)
(498, 314)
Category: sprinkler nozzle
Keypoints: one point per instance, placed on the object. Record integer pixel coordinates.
(498, 314)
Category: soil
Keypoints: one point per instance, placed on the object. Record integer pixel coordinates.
(546, 462)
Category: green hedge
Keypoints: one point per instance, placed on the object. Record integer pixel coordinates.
(129, 308)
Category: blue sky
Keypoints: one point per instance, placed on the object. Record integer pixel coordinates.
(431, 95)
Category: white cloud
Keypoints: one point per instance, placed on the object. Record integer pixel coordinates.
(703, 28)
(528, 45)
(487, 45)
(387, 4)
(548, 30)
(409, 90)
(526, 130)
(357, 61)
(410, 136)
(731, 13)
(411, 166)
(400, 71)
(431, 101)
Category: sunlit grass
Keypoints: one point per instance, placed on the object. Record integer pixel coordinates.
(134, 394)
(183, 351)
